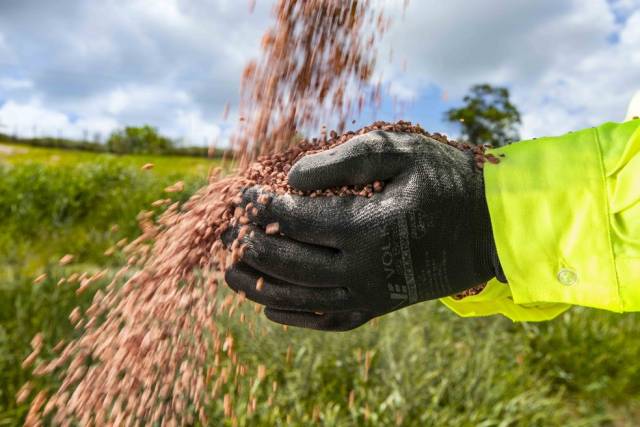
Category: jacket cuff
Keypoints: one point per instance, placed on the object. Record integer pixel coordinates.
(548, 205)
(495, 299)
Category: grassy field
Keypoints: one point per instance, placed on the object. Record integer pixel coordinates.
(427, 366)
(54, 201)
(164, 165)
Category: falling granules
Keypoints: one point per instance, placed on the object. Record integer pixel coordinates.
(65, 260)
(260, 284)
(41, 278)
(318, 54)
(143, 343)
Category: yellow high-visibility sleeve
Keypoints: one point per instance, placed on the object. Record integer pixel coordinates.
(565, 213)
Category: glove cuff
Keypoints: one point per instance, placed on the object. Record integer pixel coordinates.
(495, 262)
(492, 262)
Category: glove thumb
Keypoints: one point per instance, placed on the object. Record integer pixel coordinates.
(362, 160)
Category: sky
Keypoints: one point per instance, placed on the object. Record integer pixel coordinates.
(81, 69)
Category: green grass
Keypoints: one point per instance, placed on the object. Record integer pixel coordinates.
(164, 165)
(428, 367)
(431, 368)
(55, 201)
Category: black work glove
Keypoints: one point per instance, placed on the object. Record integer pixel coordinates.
(341, 261)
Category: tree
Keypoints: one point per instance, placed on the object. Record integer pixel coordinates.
(138, 140)
(488, 116)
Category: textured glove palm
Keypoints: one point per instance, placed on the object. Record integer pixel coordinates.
(341, 261)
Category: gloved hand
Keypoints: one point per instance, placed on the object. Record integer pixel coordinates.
(341, 261)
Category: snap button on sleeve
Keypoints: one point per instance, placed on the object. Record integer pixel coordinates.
(567, 277)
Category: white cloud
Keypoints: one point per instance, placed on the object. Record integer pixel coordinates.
(32, 119)
(133, 100)
(91, 126)
(195, 129)
(402, 92)
(174, 64)
(630, 35)
(24, 117)
(104, 113)
(7, 56)
(134, 62)
(587, 92)
(556, 55)
(457, 43)
(624, 8)
(10, 84)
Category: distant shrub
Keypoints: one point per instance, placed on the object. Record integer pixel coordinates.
(195, 152)
(138, 140)
(131, 140)
(48, 142)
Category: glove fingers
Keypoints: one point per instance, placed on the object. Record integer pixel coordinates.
(322, 322)
(285, 296)
(294, 262)
(362, 160)
(318, 220)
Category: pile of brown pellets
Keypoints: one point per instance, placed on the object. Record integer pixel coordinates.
(271, 171)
